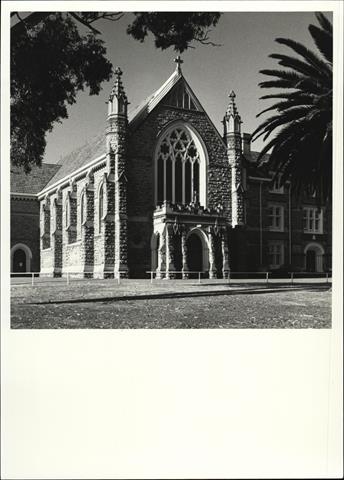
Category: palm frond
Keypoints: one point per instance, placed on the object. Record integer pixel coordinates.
(301, 119)
(311, 57)
(300, 66)
(323, 41)
(276, 84)
(282, 106)
(284, 74)
(292, 115)
(324, 22)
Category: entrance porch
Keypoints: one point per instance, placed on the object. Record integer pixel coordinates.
(189, 239)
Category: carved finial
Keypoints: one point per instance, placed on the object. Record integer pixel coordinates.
(232, 118)
(118, 71)
(232, 109)
(117, 89)
(178, 61)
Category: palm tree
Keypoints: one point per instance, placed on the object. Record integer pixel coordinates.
(301, 150)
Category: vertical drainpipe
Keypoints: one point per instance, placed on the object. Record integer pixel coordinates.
(260, 225)
(290, 224)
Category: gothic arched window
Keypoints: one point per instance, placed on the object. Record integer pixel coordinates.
(82, 208)
(180, 168)
(67, 212)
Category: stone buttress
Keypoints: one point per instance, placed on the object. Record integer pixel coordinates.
(232, 137)
(116, 181)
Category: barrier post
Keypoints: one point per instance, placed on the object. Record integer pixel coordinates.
(151, 275)
(199, 277)
(267, 277)
(32, 279)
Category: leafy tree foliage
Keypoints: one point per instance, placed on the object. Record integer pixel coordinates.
(51, 60)
(174, 29)
(302, 147)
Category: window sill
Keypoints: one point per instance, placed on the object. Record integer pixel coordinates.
(77, 242)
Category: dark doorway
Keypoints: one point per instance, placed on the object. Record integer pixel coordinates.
(310, 261)
(195, 253)
(19, 261)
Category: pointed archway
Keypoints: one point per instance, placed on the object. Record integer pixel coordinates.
(314, 257)
(197, 251)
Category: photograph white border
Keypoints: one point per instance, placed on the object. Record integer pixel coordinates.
(169, 403)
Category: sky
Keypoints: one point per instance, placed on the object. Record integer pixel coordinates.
(246, 38)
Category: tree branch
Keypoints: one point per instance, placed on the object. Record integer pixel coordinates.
(84, 22)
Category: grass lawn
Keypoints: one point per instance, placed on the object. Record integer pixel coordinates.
(169, 304)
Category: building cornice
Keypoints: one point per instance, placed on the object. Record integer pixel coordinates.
(24, 196)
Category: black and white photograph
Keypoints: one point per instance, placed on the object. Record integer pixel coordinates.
(171, 178)
(201, 193)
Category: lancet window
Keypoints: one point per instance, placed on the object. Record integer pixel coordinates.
(179, 164)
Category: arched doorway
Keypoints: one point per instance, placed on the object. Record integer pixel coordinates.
(314, 255)
(195, 253)
(20, 258)
(19, 261)
(311, 261)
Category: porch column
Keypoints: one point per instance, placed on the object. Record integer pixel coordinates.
(170, 267)
(184, 254)
(161, 268)
(225, 255)
(212, 266)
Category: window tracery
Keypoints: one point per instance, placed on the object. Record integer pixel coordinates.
(178, 168)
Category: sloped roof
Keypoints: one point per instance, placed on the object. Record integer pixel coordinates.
(79, 157)
(34, 181)
(253, 167)
(139, 113)
(96, 145)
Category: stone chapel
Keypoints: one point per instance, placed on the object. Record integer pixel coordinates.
(161, 190)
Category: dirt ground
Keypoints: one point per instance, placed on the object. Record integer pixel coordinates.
(169, 304)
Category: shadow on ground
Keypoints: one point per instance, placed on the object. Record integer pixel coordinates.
(151, 296)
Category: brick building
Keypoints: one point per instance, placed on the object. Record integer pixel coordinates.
(25, 254)
(160, 189)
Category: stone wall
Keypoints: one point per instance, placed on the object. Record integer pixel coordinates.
(141, 163)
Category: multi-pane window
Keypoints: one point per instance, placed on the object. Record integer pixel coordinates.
(276, 218)
(276, 255)
(312, 220)
(178, 168)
